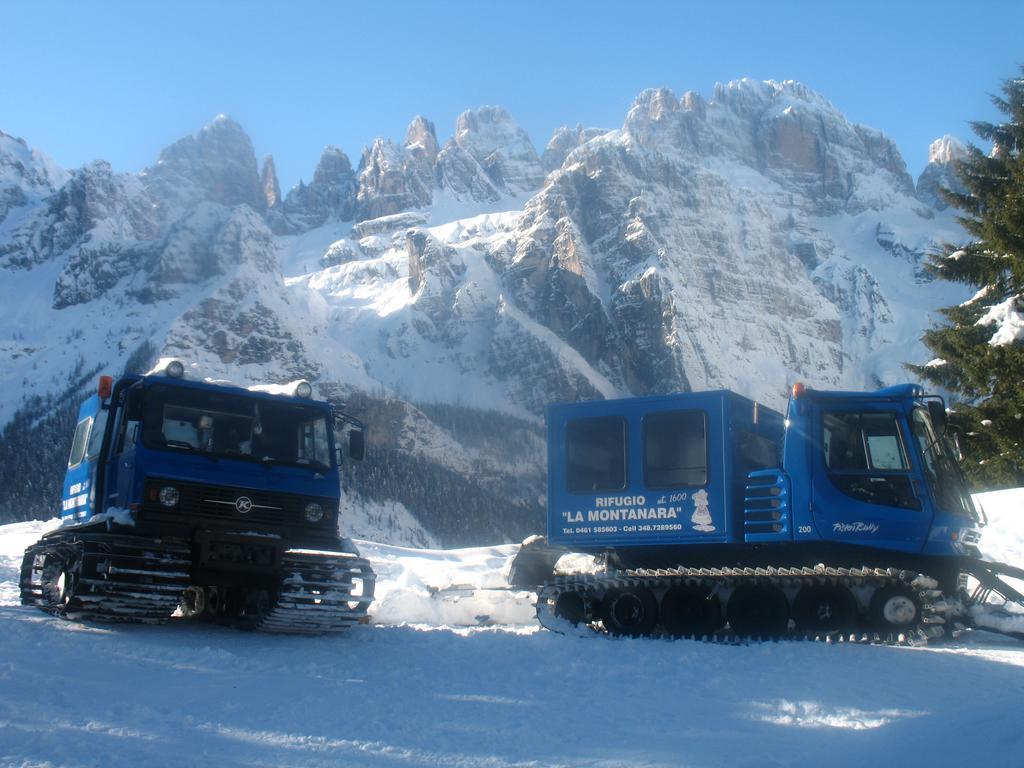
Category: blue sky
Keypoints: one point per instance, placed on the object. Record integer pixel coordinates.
(119, 81)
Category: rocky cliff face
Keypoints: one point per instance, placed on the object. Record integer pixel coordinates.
(246, 320)
(687, 250)
(565, 140)
(331, 195)
(743, 241)
(93, 220)
(217, 164)
(388, 182)
(500, 147)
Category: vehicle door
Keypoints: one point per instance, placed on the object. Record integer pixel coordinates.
(121, 480)
(78, 500)
(865, 490)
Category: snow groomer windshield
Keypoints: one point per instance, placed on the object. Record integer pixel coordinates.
(234, 426)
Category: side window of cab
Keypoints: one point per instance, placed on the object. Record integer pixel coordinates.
(80, 441)
(866, 458)
(595, 454)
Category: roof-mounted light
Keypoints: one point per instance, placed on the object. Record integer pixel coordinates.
(798, 390)
(105, 387)
(303, 389)
(175, 369)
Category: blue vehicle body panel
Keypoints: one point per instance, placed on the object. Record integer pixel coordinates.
(78, 502)
(642, 513)
(190, 468)
(797, 496)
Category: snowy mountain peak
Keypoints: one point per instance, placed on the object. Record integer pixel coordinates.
(26, 166)
(945, 150)
(501, 147)
(217, 164)
(488, 128)
(421, 134)
(26, 175)
(747, 95)
(331, 195)
(653, 104)
(694, 102)
(563, 141)
(784, 131)
(940, 173)
(333, 166)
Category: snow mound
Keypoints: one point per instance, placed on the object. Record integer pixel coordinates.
(457, 587)
(1003, 539)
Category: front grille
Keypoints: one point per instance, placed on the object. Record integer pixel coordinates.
(228, 503)
(241, 505)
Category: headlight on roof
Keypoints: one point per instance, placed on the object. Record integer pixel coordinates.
(303, 389)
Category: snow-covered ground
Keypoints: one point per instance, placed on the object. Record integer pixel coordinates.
(417, 689)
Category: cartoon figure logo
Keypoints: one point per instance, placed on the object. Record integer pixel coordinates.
(701, 515)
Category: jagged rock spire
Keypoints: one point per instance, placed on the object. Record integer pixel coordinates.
(268, 181)
(421, 134)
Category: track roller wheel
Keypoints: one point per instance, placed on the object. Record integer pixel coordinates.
(690, 611)
(574, 607)
(59, 578)
(895, 608)
(824, 608)
(632, 611)
(758, 609)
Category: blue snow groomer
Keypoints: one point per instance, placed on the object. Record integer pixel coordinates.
(212, 500)
(713, 516)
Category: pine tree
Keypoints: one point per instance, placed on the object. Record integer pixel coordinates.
(979, 351)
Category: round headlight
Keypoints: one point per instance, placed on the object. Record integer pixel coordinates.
(169, 496)
(314, 512)
(303, 389)
(175, 369)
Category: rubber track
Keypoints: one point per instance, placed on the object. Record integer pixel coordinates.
(594, 586)
(118, 578)
(316, 594)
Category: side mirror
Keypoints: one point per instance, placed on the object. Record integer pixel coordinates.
(356, 445)
(937, 411)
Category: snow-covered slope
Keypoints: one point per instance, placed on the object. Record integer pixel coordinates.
(1003, 539)
(416, 689)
